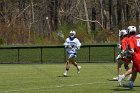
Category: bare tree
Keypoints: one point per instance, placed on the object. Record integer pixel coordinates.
(25, 21)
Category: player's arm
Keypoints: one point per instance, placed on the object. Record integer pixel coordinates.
(130, 51)
(66, 44)
(123, 46)
(78, 44)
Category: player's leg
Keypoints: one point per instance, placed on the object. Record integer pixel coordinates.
(135, 69)
(67, 67)
(128, 71)
(126, 66)
(72, 58)
(119, 69)
(131, 83)
(67, 64)
(73, 61)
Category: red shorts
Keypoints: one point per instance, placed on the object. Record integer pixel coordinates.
(136, 66)
(136, 63)
(126, 60)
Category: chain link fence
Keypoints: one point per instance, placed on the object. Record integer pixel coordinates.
(57, 54)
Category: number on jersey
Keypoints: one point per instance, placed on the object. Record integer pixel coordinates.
(138, 42)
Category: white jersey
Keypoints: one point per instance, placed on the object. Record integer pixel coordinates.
(138, 35)
(72, 45)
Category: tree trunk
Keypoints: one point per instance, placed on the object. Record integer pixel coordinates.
(87, 18)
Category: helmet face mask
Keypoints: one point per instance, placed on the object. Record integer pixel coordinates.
(72, 34)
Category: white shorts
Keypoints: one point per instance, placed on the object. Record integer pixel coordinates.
(71, 54)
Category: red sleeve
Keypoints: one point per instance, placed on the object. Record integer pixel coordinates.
(131, 43)
(124, 44)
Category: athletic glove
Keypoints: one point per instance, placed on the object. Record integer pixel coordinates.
(118, 57)
(119, 46)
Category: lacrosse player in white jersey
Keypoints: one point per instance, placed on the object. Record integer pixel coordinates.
(72, 45)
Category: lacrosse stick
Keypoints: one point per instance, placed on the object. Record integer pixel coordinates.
(119, 51)
(61, 36)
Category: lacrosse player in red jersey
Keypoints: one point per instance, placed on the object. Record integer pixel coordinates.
(72, 45)
(134, 51)
(123, 35)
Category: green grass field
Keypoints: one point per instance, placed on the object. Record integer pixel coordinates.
(48, 78)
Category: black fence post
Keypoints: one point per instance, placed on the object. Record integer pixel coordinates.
(114, 55)
(89, 54)
(18, 57)
(41, 55)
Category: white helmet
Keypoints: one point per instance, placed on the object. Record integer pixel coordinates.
(123, 32)
(72, 34)
(131, 29)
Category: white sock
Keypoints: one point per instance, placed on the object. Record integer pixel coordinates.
(66, 71)
(123, 76)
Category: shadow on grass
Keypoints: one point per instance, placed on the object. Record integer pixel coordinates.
(63, 76)
(121, 88)
(114, 80)
(111, 80)
(124, 89)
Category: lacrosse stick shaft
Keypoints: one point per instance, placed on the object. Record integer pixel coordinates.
(119, 42)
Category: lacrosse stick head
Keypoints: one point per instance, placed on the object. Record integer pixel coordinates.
(60, 34)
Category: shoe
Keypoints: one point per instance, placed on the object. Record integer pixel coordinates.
(129, 85)
(66, 73)
(120, 78)
(79, 67)
(115, 78)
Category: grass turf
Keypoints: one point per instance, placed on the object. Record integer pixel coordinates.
(48, 78)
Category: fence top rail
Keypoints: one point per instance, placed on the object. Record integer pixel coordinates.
(105, 45)
(29, 47)
(60, 46)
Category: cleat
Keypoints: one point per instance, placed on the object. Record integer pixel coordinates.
(65, 74)
(79, 67)
(129, 85)
(115, 78)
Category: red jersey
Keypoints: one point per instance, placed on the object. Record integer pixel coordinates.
(134, 43)
(124, 43)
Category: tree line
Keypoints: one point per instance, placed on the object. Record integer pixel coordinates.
(26, 21)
